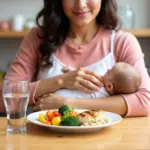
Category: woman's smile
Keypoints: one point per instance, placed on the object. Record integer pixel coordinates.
(81, 14)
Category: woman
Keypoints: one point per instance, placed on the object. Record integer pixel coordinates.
(78, 33)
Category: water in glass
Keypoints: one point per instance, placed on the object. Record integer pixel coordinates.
(16, 105)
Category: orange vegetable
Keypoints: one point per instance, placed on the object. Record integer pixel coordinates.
(50, 115)
(56, 113)
(73, 113)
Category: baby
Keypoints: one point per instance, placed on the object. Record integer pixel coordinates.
(121, 79)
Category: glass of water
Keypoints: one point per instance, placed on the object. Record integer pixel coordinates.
(16, 98)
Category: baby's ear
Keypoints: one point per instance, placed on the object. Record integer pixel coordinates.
(66, 69)
(109, 87)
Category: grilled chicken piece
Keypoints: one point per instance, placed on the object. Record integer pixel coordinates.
(91, 116)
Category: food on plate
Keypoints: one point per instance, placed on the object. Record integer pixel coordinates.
(42, 118)
(92, 118)
(63, 109)
(65, 116)
(56, 121)
(51, 117)
(70, 121)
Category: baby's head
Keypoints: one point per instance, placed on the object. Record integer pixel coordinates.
(122, 79)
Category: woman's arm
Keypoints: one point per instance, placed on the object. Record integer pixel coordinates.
(114, 104)
(128, 50)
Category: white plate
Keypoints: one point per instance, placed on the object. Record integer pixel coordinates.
(113, 119)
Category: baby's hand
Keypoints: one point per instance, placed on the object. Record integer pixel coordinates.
(67, 69)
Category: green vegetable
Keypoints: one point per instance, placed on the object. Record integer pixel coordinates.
(63, 109)
(70, 121)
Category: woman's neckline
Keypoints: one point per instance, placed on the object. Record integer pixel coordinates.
(69, 43)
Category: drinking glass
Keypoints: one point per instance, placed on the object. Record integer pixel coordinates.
(16, 98)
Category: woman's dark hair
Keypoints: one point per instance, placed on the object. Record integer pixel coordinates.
(55, 25)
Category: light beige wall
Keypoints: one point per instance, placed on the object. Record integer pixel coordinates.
(29, 8)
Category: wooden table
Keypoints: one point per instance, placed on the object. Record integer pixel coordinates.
(130, 134)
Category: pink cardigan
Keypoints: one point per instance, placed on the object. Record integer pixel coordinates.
(127, 49)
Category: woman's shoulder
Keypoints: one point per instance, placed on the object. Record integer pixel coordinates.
(126, 45)
(35, 32)
(125, 39)
(33, 37)
(122, 36)
(31, 42)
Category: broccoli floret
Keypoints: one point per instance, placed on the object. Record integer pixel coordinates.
(63, 109)
(70, 121)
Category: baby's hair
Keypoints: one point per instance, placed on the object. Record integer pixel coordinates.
(126, 79)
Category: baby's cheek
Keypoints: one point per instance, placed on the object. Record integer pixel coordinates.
(105, 79)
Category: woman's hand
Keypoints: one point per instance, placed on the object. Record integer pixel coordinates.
(49, 101)
(83, 80)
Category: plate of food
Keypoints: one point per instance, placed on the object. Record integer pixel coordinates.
(65, 119)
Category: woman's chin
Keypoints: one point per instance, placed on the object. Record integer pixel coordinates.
(81, 24)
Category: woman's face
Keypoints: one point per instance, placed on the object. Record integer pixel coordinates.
(81, 12)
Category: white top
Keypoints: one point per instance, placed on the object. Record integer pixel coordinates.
(100, 67)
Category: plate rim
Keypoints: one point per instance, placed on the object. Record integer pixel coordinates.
(73, 127)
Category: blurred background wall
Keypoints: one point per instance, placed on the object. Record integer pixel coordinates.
(141, 10)
(29, 9)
